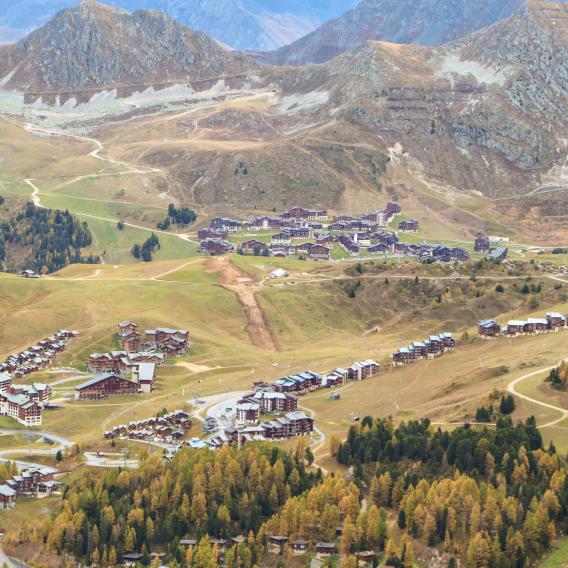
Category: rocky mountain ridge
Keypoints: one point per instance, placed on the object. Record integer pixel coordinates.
(425, 22)
(96, 46)
(240, 24)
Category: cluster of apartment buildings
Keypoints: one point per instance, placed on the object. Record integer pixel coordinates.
(308, 381)
(430, 348)
(553, 322)
(112, 368)
(30, 482)
(38, 356)
(289, 425)
(168, 428)
(170, 342)
(23, 403)
(311, 234)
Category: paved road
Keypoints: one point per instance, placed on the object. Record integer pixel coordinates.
(511, 387)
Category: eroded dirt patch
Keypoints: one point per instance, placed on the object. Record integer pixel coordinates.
(245, 288)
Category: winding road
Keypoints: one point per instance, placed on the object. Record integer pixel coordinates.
(511, 387)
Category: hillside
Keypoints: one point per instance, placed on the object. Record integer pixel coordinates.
(426, 22)
(95, 46)
(248, 24)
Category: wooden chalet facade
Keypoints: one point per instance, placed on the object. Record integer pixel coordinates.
(215, 247)
(290, 425)
(409, 226)
(20, 408)
(481, 244)
(104, 386)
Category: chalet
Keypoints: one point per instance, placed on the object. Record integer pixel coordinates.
(276, 543)
(434, 346)
(290, 425)
(5, 381)
(448, 341)
(337, 226)
(300, 233)
(536, 325)
(362, 370)
(38, 392)
(130, 341)
(392, 208)
(362, 239)
(282, 250)
(481, 244)
(514, 327)
(488, 328)
(325, 549)
(209, 233)
(29, 274)
(274, 402)
(319, 252)
(228, 225)
(20, 408)
(173, 342)
(366, 559)
(127, 327)
(459, 254)
(326, 240)
(300, 213)
(409, 226)
(145, 375)
(103, 386)
(7, 497)
(247, 413)
(303, 248)
(252, 247)
(348, 245)
(299, 547)
(555, 320)
(283, 238)
(106, 362)
(420, 350)
(215, 247)
(379, 249)
(188, 542)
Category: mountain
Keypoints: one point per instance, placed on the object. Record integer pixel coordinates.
(259, 25)
(426, 22)
(96, 46)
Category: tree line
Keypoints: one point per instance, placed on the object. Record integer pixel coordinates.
(182, 216)
(46, 239)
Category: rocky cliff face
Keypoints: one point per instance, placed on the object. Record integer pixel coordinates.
(426, 22)
(96, 46)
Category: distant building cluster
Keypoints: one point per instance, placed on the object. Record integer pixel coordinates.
(169, 428)
(311, 234)
(553, 322)
(430, 348)
(112, 368)
(30, 482)
(38, 356)
(23, 403)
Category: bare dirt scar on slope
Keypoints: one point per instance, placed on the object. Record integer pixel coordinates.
(239, 282)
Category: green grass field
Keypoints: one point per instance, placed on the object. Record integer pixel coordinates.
(558, 558)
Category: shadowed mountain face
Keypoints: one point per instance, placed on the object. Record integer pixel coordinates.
(240, 24)
(93, 45)
(426, 22)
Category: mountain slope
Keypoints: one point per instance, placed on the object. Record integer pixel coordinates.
(96, 46)
(427, 22)
(240, 24)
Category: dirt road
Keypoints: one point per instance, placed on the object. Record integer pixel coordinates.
(239, 282)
